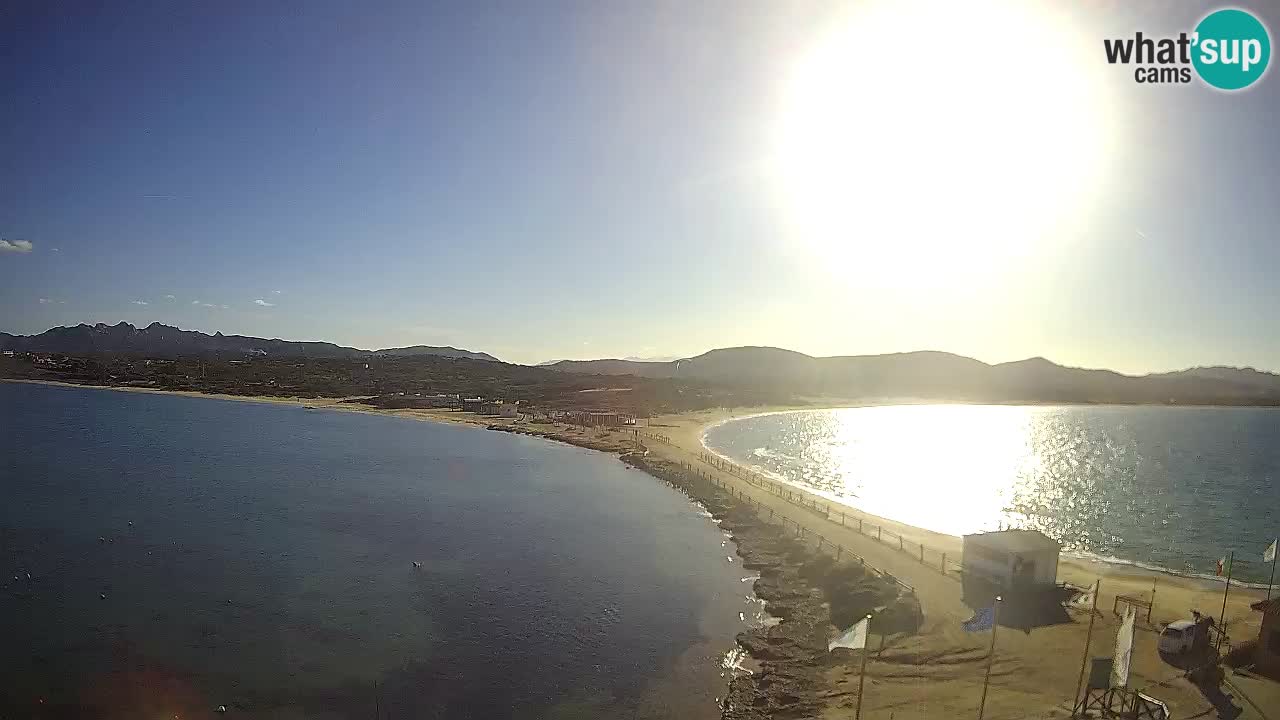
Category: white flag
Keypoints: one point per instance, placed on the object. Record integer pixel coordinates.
(1124, 650)
(854, 638)
(1269, 555)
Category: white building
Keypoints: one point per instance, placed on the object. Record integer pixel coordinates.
(1012, 559)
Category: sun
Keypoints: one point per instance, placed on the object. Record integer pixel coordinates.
(922, 144)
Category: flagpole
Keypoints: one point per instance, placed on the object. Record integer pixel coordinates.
(991, 654)
(1272, 581)
(862, 673)
(1084, 660)
(1222, 617)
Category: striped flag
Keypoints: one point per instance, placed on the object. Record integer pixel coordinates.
(1269, 555)
(855, 638)
(981, 621)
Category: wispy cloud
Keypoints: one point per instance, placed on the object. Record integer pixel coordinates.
(1141, 234)
(195, 302)
(263, 303)
(225, 307)
(139, 302)
(277, 292)
(170, 297)
(205, 304)
(16, 246)
(45, 301)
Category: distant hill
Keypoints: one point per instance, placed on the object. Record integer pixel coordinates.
(742, 371)
(449, 352)
(165, 341)
(944, 376)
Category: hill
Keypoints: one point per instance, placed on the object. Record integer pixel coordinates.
(447, 351)
(159, 340)
(932, 375)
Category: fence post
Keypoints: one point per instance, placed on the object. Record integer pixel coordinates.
(944, 563)
(921, 553)
(859, 525)
(878, 530)
(900, 543)
(841, 517)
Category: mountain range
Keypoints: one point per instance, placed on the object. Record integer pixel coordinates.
(930, 375)
(926, 375)
(166, 341)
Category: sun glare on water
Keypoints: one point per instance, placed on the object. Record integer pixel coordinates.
(927, 142)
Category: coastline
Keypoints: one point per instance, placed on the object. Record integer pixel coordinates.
(1038, 669)
(944, 541)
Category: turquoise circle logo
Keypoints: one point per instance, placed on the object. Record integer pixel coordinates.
(1233, 49)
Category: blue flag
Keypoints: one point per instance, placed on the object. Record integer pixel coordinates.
(981, 620)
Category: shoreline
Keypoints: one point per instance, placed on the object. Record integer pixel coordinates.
(954, 541)
(936, 669)
(572, 435)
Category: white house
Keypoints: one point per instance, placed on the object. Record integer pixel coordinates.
(1012, 558)
(508, 410)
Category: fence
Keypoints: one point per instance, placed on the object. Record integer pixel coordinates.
(653, 436)
(847, 517)
(836, 550)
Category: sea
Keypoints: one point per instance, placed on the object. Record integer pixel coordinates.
(1167, 488)
(162, 556)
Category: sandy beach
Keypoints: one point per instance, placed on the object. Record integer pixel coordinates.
(937, 672)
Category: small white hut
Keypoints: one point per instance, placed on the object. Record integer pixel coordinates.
(1012, 559)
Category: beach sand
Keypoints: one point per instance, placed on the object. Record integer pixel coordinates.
(938, 672)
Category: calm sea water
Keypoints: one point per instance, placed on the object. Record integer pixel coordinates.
(1175, 488)
(188, 553)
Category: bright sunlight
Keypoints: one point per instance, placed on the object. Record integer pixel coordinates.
(927, 143)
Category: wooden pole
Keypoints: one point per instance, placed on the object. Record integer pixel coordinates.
(1222, 618)
(991, 655)
(1153, 598)
(1088, 636)
(862, 675)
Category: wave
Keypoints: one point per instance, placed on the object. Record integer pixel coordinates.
(1163, 570)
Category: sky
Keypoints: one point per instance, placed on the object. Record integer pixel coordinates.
(574, 180)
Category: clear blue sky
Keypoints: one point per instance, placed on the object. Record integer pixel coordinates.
(542, 180)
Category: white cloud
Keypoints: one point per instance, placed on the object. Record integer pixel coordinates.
(263, 303)
(195, 302)
(139, 302)
(170, 297)
(45, 301)
(277, 292)
(204, 304)
(225, 307)
(17, 246)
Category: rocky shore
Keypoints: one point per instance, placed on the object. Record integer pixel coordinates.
(811, 593)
